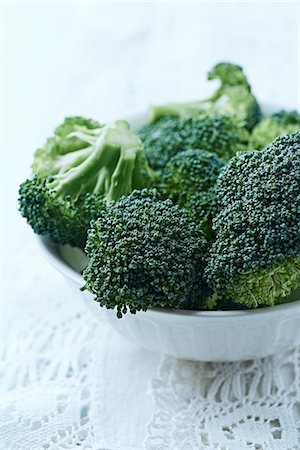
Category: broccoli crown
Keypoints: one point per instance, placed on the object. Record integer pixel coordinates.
(255, 258)
(202, 207)
(144, 252)
(188, 173)
(273, 126)
(65, 220)
(171, 135)
(233, 98)
(113, 163)
(188, 180)
(61, 203)
(229, 75)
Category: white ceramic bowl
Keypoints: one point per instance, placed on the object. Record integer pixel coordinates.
(196, 335)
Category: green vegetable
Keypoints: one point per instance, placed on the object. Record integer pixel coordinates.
(233, 98)
(202, 208)
(188, 180)
(48, 159)
(171, 135)
(71, 185)
(144, 252)
(273, 126)
(255, 259)
(64, 219)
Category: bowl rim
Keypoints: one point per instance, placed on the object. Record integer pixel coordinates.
(50, 251)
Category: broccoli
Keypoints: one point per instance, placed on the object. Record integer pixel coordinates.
(46, 159)
(255, 259)
(188, 173)
(65, 220)
(145, 252)
(70, 188)
(171, 135)
(188, 180)
(202, 207)
(273, 126)
(215, 302)
(233, 97)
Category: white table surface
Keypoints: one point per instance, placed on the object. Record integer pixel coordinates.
(107, 61)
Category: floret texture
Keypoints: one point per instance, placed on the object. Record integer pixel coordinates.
(144, 252)
(255, 258)
(171, 135)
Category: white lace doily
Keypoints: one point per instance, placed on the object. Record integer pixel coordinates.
(251, 405)
(70, 382)
(48, 360)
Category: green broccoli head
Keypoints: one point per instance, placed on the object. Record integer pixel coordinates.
(171, 135)
(202, 207)
(229, 74)
(255, 259)
(144, 252)
(273, 126)
(65, 220)
(188, 180)
(188, 173)
(61, 203)
(233, 98)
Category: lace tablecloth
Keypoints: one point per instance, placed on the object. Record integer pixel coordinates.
(68, 382)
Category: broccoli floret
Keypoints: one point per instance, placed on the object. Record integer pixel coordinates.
(65, 220)
(171, 135)
(61, 203)
(188, 180)
(255, 259)
(46, 159)
(233, 97)
(189, 172)
(202, 208)
(144, 252)
(273, 126)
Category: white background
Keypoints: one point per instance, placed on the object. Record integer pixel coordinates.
(111, 59)
(106, 60)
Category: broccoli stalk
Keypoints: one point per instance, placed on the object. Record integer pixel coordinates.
(48, 159)
(114, 164)
(79, 183)
(233, 98)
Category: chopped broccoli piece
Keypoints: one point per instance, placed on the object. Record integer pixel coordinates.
(233, 97)
(255, 259)
(171, 135)
(273, 126)
(144, 252)
(188, 180)
(61, 204)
